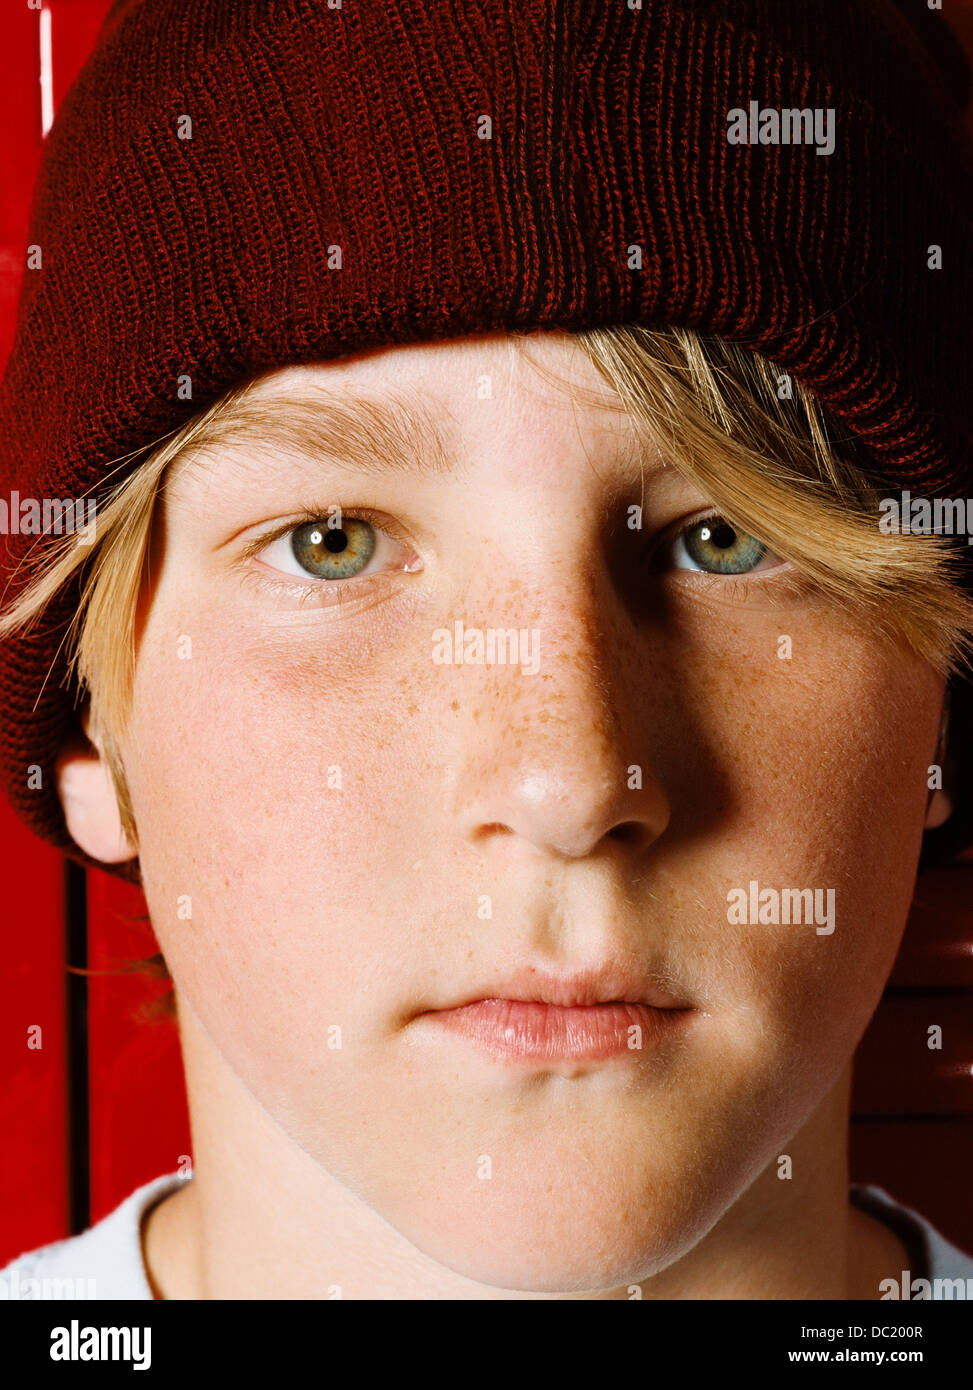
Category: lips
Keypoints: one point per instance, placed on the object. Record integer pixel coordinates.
(521, 1030)
(587, 1016)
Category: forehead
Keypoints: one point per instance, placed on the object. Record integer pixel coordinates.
(457, 381)
(415, 409)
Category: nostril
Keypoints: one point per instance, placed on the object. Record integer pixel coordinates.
(627, 832)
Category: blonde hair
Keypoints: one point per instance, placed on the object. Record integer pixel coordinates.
(772, 460)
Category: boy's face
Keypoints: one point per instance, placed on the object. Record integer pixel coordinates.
(367, 835)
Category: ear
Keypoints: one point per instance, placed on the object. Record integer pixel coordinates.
(87, 795)
(939, 806)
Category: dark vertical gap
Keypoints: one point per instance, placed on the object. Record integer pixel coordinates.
(76, 914)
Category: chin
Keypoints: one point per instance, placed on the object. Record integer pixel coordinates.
(591, 1234)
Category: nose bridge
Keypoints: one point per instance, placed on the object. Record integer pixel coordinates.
(548, 753)
(556, 621)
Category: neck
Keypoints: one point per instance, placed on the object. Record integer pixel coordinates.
(261, 1219)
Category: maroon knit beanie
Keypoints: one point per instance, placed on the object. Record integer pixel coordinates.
(229, 187)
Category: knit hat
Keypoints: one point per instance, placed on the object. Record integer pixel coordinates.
(231, 187)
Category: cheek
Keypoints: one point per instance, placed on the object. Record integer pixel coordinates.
(810, 773)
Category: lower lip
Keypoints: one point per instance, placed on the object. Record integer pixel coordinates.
(532, 1031)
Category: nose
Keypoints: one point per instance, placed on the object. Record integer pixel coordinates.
(557, 758)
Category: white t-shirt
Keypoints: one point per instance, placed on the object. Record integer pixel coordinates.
(106, 1260)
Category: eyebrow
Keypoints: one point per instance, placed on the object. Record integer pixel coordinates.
(374, 435)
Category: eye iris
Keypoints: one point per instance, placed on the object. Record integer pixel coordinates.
(338, 552)
(720, 548)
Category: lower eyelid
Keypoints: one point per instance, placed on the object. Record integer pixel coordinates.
(311, 591)
(786, 583)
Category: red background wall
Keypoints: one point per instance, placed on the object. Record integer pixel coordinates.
(81, 1132)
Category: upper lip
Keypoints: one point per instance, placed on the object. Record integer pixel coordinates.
(595, 985)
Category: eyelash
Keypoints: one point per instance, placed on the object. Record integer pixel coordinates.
(737, 587)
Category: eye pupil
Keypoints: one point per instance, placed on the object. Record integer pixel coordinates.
(721, 535)
(336, 541)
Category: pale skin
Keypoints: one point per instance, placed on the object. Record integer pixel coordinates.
(360, 1168)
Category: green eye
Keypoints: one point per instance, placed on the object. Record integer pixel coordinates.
(339, 552)
(714, 546)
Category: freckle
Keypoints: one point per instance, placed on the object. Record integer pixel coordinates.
(413, 709)
(454, 704)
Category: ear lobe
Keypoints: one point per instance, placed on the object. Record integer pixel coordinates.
(939, 810)
(87, 795)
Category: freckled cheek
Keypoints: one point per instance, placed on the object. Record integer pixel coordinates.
(820, 749)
